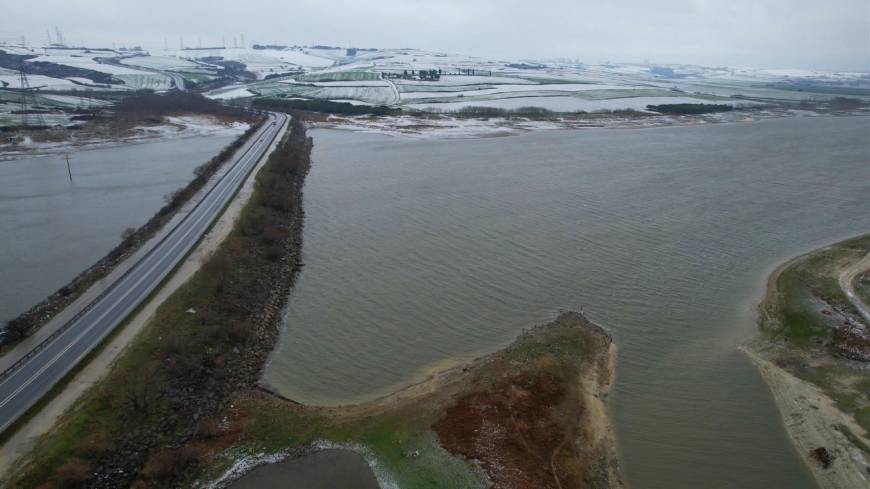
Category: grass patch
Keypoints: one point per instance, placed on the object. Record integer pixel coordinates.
(807, 310)
(820, 88)
(196, 78)
(399, 432)
(853, 438)
(339, 76)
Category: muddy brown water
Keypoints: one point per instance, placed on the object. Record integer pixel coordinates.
(325, 469)
(422, 253)
(51, 229)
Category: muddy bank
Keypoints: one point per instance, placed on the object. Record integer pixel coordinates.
(812, 352)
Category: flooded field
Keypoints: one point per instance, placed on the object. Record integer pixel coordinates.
(52, 228)
(419, 254)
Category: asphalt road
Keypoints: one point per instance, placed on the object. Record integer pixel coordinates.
(23, 384)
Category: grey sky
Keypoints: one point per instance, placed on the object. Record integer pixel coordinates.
(823, 34)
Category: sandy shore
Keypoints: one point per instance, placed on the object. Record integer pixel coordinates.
(810, 416)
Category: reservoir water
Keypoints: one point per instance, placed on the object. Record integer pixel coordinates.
(52, 229)
(423, 253)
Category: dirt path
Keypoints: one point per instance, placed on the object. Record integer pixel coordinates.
(24, 439)
(847, 278)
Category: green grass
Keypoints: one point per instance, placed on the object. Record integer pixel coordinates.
(808, 282)
(800, 322)
(549, 81)
(853, 438)
(823, 89)
(803, 287)
(392, 438)
(196, 77)
(400, 435)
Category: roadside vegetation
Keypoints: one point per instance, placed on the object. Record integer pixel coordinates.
(154, 420)
(28, 322)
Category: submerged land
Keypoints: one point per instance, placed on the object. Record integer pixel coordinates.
(814, 353)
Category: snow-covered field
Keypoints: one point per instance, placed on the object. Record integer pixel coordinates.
(231, 92)
(515, 90)
(373, 77)
(167, 63)
(555, 85)
(261, 62)
(47, 82)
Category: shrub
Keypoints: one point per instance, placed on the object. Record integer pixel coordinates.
(73, 473)
(690, 109)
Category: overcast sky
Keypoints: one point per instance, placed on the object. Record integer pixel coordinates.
(822, 34)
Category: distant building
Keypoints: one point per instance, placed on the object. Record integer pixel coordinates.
(351, 52)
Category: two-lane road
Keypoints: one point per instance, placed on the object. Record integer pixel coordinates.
(23, 384)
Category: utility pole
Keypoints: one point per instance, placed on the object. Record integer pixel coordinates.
(68, 170)
(27, 100)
